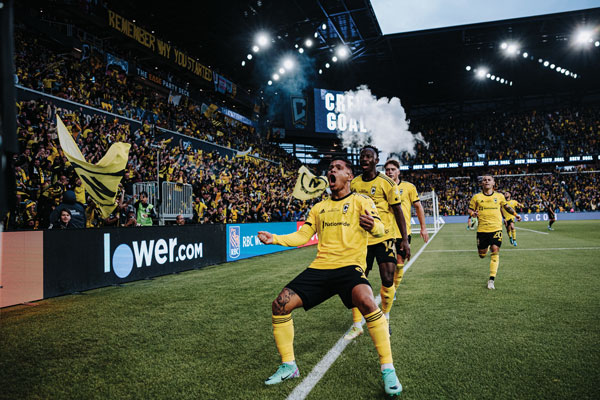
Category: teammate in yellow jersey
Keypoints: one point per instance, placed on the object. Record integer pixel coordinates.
(386, 196)
(509, 219)
(486, 205)
(343, 223)
(409, 197)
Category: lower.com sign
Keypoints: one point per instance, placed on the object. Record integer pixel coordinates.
(147, 253)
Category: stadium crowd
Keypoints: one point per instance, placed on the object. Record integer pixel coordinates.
(247, 189)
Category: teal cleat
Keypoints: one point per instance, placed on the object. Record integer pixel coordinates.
(284, 372)
(390, 382)
(511, 240)
(515, 243)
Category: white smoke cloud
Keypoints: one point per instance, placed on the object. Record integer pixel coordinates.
(385, 122)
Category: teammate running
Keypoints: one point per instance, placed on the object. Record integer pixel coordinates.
(509, 219)
(384, 192)
(551, 215)
(486, 206)
(408, 197)
(343, 222)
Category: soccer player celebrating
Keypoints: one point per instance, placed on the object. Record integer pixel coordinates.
(509, 219)
(386, 196)
(343, 223)
(409, 197)
(486, 206)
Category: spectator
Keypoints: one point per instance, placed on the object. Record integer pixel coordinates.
(64, 221)
(76, 210)
(144, 211)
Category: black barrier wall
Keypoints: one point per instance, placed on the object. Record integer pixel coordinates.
(82, 259)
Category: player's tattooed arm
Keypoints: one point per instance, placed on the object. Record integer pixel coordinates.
(279, 305)
(512, 211)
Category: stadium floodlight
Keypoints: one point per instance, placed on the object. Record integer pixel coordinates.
(583, 36)
(327, 65)
(497, 79)
(324, 26)
(552, 66)
(316, 35)
(468, 67)
(525, 54)
(282, 70)
(575, 76)
(546, 63)
(275, 77)
(270, 82)
(510, 83)
(288, 63)
(320, 71)
(512, 49)
(567, 72)
(255, 48)
(262, 39)
(504, 46)
(296, 45)
(488, 75)
(493, 77)
(342, 52)
(308, 43)
(243, 63)
(481, 73)
(249, 56)
(300, 50)
(597, 43)
(334, 59)
(502, 80)
(540, 60)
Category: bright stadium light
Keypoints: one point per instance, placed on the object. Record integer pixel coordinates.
(249, 56)
(540, 60)
(288, 63)
(525, 54)
(512, 49)
(275, 77)
(552, 66)
(504, 46)
(502, 80)
(320, 71)
(334, 59)
(316, 35)
(597, 43)
(255, 48)
(270, 82)
(468, 67)
(300, 50)
(481, 73)
(308, 43)
(324, 26)
(342, 52)
(546, 63)
(488, 75)
(282, 70)
(493, 77)
(583, 36)
(327, 65)
(262, 39)
(243, 63)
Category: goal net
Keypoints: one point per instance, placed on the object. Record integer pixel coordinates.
(429, 201)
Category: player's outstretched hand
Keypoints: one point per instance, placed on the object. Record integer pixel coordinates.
(518, 217)
(265, 237)
(366, 221)
(425, 234)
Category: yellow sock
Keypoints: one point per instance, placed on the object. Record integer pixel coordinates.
(398, 275)
(494, 262)
(387, 298)
(283, 330)
(356, 315)
(514, 233)
(379, 331)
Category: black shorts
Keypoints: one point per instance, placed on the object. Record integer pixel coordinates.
(314, 286)
(487, 239)
(402, 253)
(507, 222)
(383, 252)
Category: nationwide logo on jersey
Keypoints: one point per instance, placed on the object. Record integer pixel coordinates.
(373, 189)
(234, 242)
(346, 206)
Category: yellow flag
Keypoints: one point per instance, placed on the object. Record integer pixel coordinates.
(101, 180)
(309, 186)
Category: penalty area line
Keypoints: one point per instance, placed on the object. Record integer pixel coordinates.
(303, 389)
(531, 230)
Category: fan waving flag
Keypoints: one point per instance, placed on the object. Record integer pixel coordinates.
(308, 186)
(101, 180)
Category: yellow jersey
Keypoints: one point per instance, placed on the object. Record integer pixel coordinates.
(342, 241)
(408, 196)
(488, 206)
(513, 204)
(384, 192)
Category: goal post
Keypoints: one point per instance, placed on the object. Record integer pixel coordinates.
(429, 201)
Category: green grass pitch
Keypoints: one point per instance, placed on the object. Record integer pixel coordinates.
(206, 334)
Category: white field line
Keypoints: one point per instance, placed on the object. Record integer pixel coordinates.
(531, 230)
(510, 249)
(303, 389)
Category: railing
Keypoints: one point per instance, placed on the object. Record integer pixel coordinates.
(177, 199)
